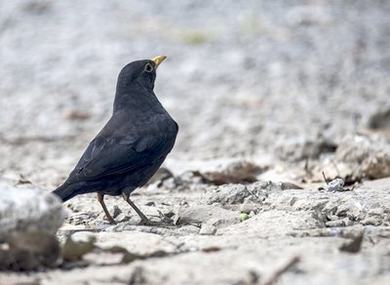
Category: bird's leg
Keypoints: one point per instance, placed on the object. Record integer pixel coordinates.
(100, 198)
(144, 219)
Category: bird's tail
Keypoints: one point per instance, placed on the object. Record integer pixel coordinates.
(66, 191)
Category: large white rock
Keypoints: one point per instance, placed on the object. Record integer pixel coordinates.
(28, 209)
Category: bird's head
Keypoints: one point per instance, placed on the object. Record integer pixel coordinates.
(141, 72)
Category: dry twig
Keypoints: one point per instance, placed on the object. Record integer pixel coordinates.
(325, 179)
(279, 272)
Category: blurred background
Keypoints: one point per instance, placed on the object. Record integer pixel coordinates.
(242, 79)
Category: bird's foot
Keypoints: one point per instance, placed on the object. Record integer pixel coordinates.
(100, 198)
(111, 221)
(145, 222)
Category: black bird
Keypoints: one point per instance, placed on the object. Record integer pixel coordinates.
(131, 146)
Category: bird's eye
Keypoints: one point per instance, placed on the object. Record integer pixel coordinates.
(149, 67)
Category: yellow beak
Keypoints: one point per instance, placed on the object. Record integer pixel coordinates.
(158, 59)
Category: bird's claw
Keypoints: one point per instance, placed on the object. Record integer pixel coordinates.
(111, 221)
(145, 222)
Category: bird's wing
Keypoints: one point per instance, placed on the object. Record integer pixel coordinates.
(115, 154)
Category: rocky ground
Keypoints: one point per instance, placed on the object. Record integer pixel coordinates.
(275, 100)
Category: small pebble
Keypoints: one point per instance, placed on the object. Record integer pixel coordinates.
(335, 185)
(244, 216)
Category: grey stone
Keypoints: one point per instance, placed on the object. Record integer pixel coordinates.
(376, 221)
(300, 149)
(229, 194)
(29, 250)
(335, 185)
(207, 229)
(28, 209)
(364, 157)
(29, 219)
(339, 223)
(77, 245)
(207, 213)
(233, 194)
(247, 207)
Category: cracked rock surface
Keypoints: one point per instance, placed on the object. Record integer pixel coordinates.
(281, 170)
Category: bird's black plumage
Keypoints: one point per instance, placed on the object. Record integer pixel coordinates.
(132, 145)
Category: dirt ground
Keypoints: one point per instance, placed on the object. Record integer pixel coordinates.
(269, 96)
